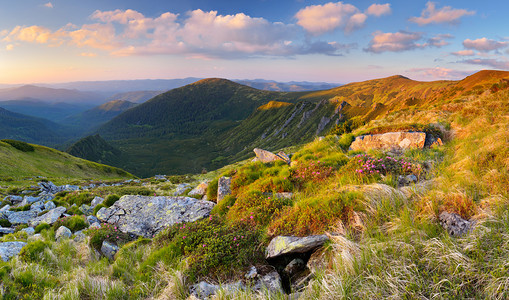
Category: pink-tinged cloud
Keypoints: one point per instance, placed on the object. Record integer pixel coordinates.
(9, 47)
(320, 19)
(48, 5)
(34, 34)
(99, 36)
(464, 53)
(438, 40)
(88, 54)
(445, 14)
(403, 41)
(484, 44)
(378, 10)
(439, 73)
(492, 63)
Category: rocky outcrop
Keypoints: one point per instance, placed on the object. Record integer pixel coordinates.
(282, 245)
(223, 187)
(10, 249)
(454, 224)
(22, 217)
(200, 190)
(394, 141)
(146, 215)
(49, 217)
(266, 156)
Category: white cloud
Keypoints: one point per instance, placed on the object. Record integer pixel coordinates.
(446, 14)
(484, 44)
(9, 47)
(378, 10)
(48, 5)
(403, 41)
(320, 19)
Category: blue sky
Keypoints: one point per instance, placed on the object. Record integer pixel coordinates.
(68, 40)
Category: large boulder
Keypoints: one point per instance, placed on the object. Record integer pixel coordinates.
(282, 245)
(266, 156)
(395, 141)
(147, 215)
(223, 187)
(50, 217)
(22, 217)
(10, 249)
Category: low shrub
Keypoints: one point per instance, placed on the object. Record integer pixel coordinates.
(32, 251)
(314, 171)
(368, 165)
(5, 223)
(74, 223)
(41, 227)
(110, 200)
(108, 233)
(223, 206)
(131, 190)
(97, 208)
(21, 146)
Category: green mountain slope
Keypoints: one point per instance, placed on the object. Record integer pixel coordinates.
(51, 163)
(96, 149)
(55, 112)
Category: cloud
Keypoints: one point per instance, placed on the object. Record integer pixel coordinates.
(48, 5)
(492, 63)
(34, 34)
(378, 10)
(9, 47)
(320, 19)
(403, 41)
(88, 54)
(446, 14)
(464, 53)
(438, 40)
(439, 73)
(484, 44)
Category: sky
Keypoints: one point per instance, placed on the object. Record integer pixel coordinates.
(285, 40)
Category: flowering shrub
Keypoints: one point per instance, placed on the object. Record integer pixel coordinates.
(368, 165)
(74, 223)
(312, 171)
(108, 233)
(256, 207)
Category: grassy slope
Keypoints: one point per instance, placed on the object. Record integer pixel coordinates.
(51, 163)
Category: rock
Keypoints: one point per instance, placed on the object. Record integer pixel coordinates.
(5, 208)
(295, 266)
(79, 236)
(147, 215)
(29, 200)
(50, 217)
(35, 237)
(394, 141)
(271, 281)
(282, 245)
(63, 233)
(48, 187)
(22, 217)
(39, 205)
(70, 188)
(13, 198)
(92, 220)
(49, 205)
(203, 290)
(252, 273)
(10, 249)
(284, 195)
(182, 188)
(94, 225)
(266, 156)
(109, 250)
(406, 180)
(316, 261)
(29, 230)
(200, 190)
(160, 177)
(454, 224)
(96, 201)
(223, 187)
(4, 230)
(86, 210)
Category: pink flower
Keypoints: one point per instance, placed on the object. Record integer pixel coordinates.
(203, 245)
(184, 237)
(235, 238)
(251, 217)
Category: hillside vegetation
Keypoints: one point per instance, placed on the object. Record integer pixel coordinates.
(386, 240)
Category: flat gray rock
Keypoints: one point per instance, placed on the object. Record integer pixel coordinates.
(50, 217)
(4, 230)
(22, 217)
(454, 224)
(147, 215)
(10, 249)
(282, 245)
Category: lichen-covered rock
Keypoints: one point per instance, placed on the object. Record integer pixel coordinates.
(49, 205)
(50, 217)
(147, 215)
(96, 201)
(271, 281)
(10, 249)
(266, 156)
(200, 190)
(86, 209)
(109, 250)
(29, 230)
(22, 217)
(13, 198)
(454, 224)
(8, 230)
(39, 205)
(389, 141)
(282, 245)
(92, 220)
(223, 187)
(181, 189)
(63, 233)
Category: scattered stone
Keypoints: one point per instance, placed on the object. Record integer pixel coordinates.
(50, 217)
(96, 201)
(48, 187)
(10, 249)
(284, 195)
(223, 187)
(4, 230)
(39, 205)
(85, 209)
(49, 205)
(92, 219)
(203, 290)
(79, 236)
(271, 281)
(22, 217)
(13, 198)
(63, 233)
(147, 215)
(295, 266)
(266, 156)
(29, 200)
(406, 180)
(454, 224)
(394, 141)
(160, 177)
(5, 208)
(29, 230)
(200, 190)
(109, 250)
(182, 188)
(282, 245)
(316, 261)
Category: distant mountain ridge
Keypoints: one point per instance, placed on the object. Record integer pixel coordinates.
(32, 92)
